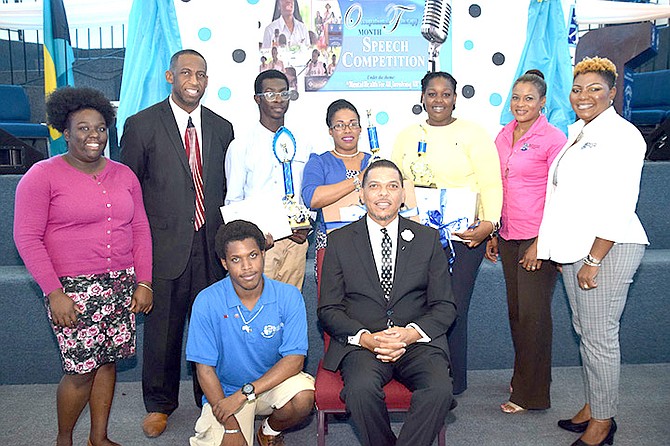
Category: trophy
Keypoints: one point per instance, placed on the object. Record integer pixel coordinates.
(284, 149)
(421, 172)
(372, 136)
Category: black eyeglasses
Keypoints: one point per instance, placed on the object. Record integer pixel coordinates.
(272, 95)
(340, 126)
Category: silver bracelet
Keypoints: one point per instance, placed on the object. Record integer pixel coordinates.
(590, 261)
(231, 431)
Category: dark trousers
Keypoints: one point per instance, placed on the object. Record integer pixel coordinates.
(424, 369)
(164, 331)
(529, 306)
(465, 269)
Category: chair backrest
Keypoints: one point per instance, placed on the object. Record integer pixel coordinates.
(14, 104)
(320, 253)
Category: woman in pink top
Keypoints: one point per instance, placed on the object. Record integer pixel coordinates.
(526, 146)
(81, 229)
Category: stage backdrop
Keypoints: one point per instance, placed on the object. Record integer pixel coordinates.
(379, 53)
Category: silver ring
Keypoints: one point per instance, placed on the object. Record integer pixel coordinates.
(586, 286)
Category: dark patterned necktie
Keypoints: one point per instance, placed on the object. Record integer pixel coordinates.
(195, 163)
(387, 266)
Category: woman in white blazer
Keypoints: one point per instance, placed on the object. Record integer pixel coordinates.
(590, 228)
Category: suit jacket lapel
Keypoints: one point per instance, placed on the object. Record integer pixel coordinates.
(172, 131)
(402, 256)
(207, 129)
(363, 248)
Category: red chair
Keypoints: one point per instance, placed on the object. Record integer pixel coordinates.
(329, 384)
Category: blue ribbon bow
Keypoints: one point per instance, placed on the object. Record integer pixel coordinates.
(435, 221)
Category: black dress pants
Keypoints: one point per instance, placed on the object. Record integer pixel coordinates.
(423, 369)
(164, 331)
(465, 269)
(529, 306)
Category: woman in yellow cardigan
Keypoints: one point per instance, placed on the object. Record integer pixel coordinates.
(459, 154)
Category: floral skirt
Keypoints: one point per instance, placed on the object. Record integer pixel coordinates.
(105, 329)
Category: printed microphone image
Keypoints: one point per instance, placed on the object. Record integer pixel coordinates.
(435, 27)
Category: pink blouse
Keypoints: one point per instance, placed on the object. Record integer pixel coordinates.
(524, 168)
(69, 223)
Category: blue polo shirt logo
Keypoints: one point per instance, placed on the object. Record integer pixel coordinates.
(270, 330)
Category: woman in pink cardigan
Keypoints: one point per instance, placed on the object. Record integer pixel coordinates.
(83, 234)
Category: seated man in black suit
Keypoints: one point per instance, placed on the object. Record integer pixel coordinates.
(386, 301)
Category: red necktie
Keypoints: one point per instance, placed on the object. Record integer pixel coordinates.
(195, 163)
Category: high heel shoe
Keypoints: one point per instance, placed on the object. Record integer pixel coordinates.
(568, 425)
(609, 438)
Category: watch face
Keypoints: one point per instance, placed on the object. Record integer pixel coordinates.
(248, 389)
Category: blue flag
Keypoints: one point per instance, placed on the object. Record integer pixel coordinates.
(547, 50)
(153, 37)
(58, 59)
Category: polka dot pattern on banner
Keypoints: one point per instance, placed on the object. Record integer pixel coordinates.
(495, 99)
(498, 59)
(224, 93)
(468, 91)
(382, 118)
(239, 55)
(205, 34)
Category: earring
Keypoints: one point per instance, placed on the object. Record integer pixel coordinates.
(611, 102)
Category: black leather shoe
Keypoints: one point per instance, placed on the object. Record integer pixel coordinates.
(609, 439)
(568, 425)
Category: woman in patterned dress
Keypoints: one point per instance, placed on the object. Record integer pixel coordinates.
(81, 229)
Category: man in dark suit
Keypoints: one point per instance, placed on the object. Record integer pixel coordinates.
(177, 150)
(386, 302)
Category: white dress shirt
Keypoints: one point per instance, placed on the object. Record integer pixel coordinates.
(253, 170)
(592, 189)
(181, 116)
(376, 237)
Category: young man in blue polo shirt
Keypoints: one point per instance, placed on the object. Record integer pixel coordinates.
(248, 338)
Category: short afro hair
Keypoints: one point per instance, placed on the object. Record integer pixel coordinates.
(236, 231)
(601, 65)
(67, 100)
(175, 58)
(381, 164)
(268, 74)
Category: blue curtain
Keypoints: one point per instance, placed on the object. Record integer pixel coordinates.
(547, 50)
(153, 37)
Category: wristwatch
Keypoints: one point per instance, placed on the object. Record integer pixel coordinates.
(248, 391)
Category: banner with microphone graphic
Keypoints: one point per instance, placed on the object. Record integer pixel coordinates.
(371, 45)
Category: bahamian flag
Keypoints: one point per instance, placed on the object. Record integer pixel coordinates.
(153, 37)
(547, 49)
(58, 59)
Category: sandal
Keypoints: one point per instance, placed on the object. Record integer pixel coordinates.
(510, 407)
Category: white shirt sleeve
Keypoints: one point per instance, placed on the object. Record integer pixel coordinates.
(235, 172)
(356, 339)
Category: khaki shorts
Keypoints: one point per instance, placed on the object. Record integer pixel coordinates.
(209, 432)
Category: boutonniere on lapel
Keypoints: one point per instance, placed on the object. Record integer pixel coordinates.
(407, 235)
